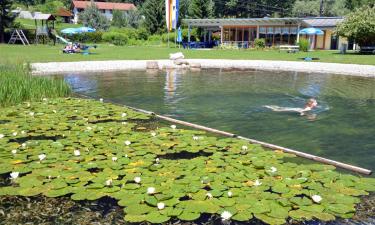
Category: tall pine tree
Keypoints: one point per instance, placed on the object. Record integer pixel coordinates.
(153, 11)
(6, 17)
(201, 9)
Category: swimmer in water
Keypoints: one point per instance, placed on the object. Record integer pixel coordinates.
(311, 104)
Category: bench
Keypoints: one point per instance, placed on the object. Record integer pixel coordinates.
(289, 48)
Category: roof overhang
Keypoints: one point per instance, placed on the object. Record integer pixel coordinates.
(241, 22)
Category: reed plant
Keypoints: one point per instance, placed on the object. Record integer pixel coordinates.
(18, 85)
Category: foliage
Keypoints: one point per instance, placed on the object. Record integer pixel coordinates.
(92, 17)
(6, 17)
(200, 9)
(153, 11)
(303, 44)
(259, 43)
(87, 150)
(359, 26)
(18, 85)
(303, 8)
(90, 37)
(119, 19)
(115, 38)
(50, 6)
(131, 33)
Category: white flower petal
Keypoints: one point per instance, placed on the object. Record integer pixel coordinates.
(124, 115)
(151, 190)
(137, 180)
(77, 153)
(42, 156)
(161, 205)
(173, 127)
(127, 143)
(244, 148)
(2, 136)
(226, 215)
(108, 182)
(230, 194)
(101, 100)
(257, 183)
(114, 158)
(209, 195)
(317, 198)
(14, 175)
(14, 151)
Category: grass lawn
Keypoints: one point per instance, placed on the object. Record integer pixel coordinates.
(47, 53)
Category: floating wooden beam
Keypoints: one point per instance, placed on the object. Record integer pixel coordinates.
(264, 144)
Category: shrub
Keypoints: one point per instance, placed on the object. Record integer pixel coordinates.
(303, 44)
(260, 43)
(115, 38)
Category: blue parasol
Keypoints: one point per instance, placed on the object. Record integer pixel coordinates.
(69, 31)
(311, 31)
(179, 35)
(77, 30)
(85, 30)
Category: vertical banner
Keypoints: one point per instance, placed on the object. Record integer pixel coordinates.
(171, 13)
(167, 14)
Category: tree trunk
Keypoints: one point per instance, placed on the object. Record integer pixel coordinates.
(2, 36)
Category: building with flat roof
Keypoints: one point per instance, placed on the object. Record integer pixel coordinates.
(275, 31)
(105, 7)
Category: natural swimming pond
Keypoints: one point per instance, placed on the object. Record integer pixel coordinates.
(341, 128)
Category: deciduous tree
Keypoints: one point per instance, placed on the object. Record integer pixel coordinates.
(6, 17)
(92, 17)
(359, 26)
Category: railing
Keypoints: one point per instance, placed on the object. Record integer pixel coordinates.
(237, 44)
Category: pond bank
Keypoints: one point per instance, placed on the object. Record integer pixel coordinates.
(106, 66)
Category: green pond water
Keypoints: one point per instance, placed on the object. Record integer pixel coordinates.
(341, 128)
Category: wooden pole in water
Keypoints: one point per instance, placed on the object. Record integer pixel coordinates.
(264, 144)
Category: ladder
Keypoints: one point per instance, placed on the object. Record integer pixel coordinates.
(18, 35)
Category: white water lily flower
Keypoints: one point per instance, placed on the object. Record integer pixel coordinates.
(316, 198)
(2, 136)
(42, 156)
(14, 175)
(28, 104)
(209, 195)
(101, 100)
(77, 153)
(230, 194)
(273, 169)
(15, 133)
(257, 183)
(89, 128)
(244, 147)
(153, 134)
(108, 182)
(44, 99)
(127, 143)
(14, 151)
(124, 123)
(23, 145)
(54, 111)
(173, 127)
(123, 114)
(114, 158)
(126, 155)
(31, 113)
(226, 215)
(151, 190)
(195, 138)
(23, 132)
(137, 180)
(161, 205)
(157, 160)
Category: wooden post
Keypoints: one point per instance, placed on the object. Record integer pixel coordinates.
(221, 34)
(257, 31)
(324, 40)
(299, 26)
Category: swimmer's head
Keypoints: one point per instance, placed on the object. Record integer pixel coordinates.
(312, 102)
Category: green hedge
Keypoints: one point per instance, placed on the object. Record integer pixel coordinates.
(303, 44)
(115, 38)
(92, 37)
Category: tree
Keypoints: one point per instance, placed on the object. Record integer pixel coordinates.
(153, 11)
(92, 17)
(359, 26)
(6, 17)
(200, 9)
(119, 19)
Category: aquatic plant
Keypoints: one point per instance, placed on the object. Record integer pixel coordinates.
(162, 173)
(18, 85)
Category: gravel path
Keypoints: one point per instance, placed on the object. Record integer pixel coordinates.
(106, 66)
